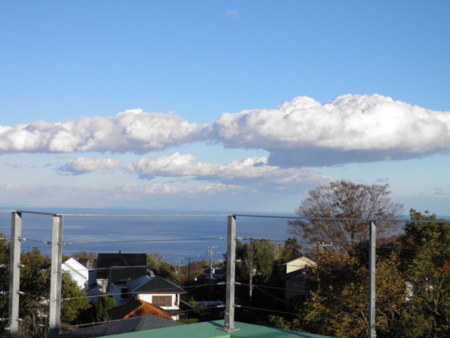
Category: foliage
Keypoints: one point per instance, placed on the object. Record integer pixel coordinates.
(290, 250)
(426, 252)
(161, 267)
(412, 287)
(192, 270)
(35, 285)
(90, 256)
(102, 306)
(347, 200)
(74, 300)
(257, 258)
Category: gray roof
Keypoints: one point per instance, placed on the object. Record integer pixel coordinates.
(138, 282)
(138, 323)
(154, 285)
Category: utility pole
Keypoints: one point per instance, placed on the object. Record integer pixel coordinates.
(210, 254)
(372, 331)
(178, 264)
(251, 272)
(189, 268)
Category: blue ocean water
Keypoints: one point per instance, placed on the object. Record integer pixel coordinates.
(174, 237)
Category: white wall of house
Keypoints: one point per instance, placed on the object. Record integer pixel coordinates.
(78, 272)
(150, 298)
(174, 301)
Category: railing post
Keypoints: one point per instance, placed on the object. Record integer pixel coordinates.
(231, 275)
(372, 277)
(14, 274)
(55, 277)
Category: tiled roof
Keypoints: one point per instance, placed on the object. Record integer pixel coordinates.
(138, 282)
(138, 323)
(135, 308)
(157, 285)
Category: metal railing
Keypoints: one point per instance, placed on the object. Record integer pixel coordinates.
(57, 244)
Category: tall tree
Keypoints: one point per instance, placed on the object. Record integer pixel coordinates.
(346, 200)
(426, 265)
(257, 261)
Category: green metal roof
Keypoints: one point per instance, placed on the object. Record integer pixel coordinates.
(213, 330)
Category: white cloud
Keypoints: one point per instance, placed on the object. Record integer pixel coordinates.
(247, 171)
(83, 165)
(129, 131)
(300, 132)
(347, 129)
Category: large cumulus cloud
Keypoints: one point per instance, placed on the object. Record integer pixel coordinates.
(350, 128)
(300, 132)
(129, 131)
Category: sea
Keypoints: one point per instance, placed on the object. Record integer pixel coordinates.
(177, 237)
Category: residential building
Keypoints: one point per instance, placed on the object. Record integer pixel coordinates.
(159, 292)
(77, 271)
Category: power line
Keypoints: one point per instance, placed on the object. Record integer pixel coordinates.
(135, 292)
(267, 310)
(149, 240)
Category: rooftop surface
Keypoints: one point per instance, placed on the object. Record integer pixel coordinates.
(213, 330)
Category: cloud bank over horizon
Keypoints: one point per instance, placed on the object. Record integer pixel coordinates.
(300, 132)
(251, 170)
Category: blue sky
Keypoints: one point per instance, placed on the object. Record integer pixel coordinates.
(222, 105)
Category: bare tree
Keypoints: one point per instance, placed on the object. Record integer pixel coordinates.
(346, 200)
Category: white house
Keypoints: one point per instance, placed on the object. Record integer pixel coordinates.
(158, 291)
(76, 270)
(298, 276)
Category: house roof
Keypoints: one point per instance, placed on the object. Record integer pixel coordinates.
(138, 323)
(136, 307)
(155, 285)
(213, 330)
(72, 265)
(299, 263)
(107, 260)
(138, 282)
(125, 274)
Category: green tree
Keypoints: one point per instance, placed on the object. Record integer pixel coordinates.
(102, 306)
(256, 262)
(426, 257)
(75, 301)
(290, 250)
(257, 259)
(161, 267)
(35, 285)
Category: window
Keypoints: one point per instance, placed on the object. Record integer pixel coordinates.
(162, 300)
